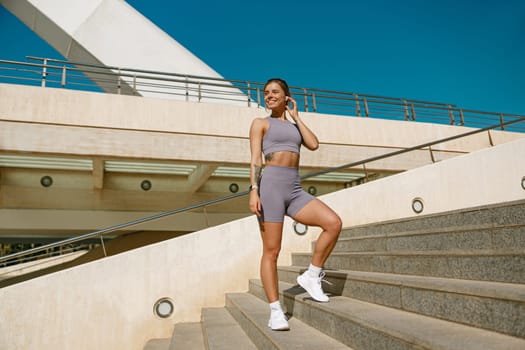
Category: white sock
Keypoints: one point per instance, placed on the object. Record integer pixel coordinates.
(314, 271)
(276, 306)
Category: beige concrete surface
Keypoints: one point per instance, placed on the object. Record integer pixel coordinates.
(23, 268)
(79, 123)
(99, 127)
(115, 296)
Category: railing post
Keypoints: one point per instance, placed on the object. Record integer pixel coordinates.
(199, 91)
(365, 103)
(258, 97)
(413, 111)
(314, 102)
(431, 154)
(491, 142)
(501, 121)
(305, 100)
(44, 73)
(63, 80)
(405, 107)
(103, 246)
(248, 89)
(357, 106)
(451, 115)
(461, 119)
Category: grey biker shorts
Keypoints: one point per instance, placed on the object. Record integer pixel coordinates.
(281, 193)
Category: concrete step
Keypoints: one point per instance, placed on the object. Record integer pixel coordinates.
(498, 307)
(482, 237)
(187, 336)
(510, 213)
(484, 265)
(364, 325)
(158, 344)
(252, 314)
(222, 332)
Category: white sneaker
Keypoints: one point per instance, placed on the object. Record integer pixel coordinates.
(278, 321)
(313, 286)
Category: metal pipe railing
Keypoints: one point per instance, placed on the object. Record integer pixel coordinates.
(99, 233)
(52, 72)
(114, 228)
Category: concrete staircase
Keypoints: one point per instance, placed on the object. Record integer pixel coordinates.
(449, 281)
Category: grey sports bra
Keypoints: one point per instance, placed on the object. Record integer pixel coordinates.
(281, 135)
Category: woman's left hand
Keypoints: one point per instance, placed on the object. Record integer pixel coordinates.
(309, 138)
(294, 113)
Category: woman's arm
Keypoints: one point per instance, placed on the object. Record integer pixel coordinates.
(309, 139)
(256, 136)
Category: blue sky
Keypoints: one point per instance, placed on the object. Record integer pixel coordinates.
(465, 52)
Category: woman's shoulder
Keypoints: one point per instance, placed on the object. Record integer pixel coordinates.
(261, 121)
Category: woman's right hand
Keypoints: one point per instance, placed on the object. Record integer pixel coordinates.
(255, 203)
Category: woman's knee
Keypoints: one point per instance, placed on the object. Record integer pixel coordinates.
(334, 224)
(271, 253)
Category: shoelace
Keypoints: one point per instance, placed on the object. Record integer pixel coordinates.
(321, 279)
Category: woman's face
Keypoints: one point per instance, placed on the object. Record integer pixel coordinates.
(274, 96)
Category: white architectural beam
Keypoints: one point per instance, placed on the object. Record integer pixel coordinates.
(199, 177)
(110, 33)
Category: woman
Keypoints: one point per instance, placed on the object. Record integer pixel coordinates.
(278, 192)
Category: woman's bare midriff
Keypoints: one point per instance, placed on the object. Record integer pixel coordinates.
(282, 158)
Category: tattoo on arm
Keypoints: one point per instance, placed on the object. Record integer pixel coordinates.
(257, 172)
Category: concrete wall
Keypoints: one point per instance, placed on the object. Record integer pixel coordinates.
(108, 304)
(85, 125)
(79, 123)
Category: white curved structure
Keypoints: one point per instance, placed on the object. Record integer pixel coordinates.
(110, 33)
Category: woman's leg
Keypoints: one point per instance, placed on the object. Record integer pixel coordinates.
(271, 233)
(316, 213)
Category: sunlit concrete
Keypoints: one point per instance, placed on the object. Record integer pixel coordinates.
(58, 311)
(103, 127)
(23, 268)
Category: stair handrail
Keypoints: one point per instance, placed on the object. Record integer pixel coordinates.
(410, 149)
(100, 233)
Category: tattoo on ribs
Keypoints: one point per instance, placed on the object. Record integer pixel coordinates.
(268, 157)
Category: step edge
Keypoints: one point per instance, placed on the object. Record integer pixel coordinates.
(486, 289)
(397, 334)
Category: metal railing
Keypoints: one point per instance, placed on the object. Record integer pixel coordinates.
(53, 252)
(8, 259)
(92, 77)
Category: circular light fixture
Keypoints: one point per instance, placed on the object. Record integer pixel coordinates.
(46, 181)
(299, 228)
(146, 185)
(164, 308)
(234, 188)
(523, 182)
(417, 205)
(312, 190)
